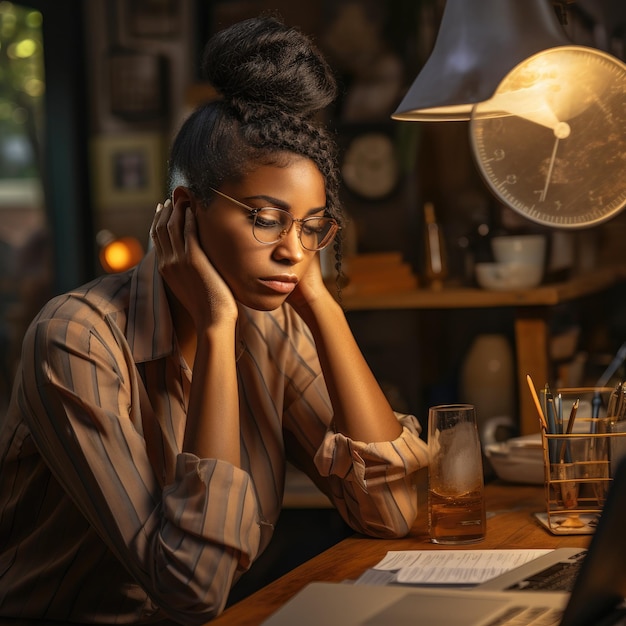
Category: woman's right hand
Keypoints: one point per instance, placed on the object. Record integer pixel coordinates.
(186, 268)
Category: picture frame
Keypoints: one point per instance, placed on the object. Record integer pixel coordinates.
(129, 169)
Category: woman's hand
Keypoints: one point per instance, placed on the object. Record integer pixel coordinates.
(187, 270)
(310, 289)
(212, 427)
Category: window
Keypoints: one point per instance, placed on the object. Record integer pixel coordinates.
(25, 267)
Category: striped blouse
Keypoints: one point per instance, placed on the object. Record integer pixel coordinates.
(103, 519)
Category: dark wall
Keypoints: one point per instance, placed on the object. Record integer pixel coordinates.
(66, 171)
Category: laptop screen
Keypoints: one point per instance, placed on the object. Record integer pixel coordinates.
(601, 583)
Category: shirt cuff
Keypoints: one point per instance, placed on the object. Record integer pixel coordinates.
(371, 464)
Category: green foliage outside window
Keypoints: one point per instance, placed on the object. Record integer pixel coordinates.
(21, 91)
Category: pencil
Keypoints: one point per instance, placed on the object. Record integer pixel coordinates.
(542, 417)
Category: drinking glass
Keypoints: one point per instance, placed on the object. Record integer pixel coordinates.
(456, 502)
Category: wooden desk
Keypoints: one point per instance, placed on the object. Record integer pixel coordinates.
(510, 524)
(532, 308)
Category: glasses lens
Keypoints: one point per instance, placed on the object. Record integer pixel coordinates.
(317, 232)
(270, 225)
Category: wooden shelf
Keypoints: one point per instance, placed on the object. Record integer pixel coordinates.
(532, 311)
(461, 298)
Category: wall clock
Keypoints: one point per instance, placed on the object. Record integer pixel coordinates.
(370, 167)
(551, 143)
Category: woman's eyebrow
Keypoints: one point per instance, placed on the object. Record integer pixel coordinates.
(269, 201)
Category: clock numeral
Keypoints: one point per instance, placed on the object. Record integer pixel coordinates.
(497, 155)
(594, 199)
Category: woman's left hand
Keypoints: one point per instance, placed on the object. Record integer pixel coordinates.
(310, 288)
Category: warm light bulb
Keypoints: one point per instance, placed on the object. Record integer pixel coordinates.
(121, 254)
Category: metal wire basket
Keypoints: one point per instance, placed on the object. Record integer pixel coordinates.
(579, 457)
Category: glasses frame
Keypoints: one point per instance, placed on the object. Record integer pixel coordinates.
(254, 211)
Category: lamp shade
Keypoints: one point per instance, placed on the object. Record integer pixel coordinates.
(478, 43)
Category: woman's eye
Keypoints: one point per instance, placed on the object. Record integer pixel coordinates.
(268, 219)
(313, 227)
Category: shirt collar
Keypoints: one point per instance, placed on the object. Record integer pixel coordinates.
(150, 331)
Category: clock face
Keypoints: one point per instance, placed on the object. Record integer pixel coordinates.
(551, 143)
(370, 167)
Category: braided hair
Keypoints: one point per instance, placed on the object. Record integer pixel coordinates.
(271, 82)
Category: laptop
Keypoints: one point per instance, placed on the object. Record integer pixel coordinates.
(596, 598)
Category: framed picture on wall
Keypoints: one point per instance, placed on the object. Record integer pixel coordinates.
(129, 170)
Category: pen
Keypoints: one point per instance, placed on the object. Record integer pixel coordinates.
(552, 428)
(621, 406)
(596, 404)
(613, 400)
(565, 449)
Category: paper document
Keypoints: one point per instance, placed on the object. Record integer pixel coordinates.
(446, 567)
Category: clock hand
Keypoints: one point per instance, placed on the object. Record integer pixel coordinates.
(561, 131)
(542, 195)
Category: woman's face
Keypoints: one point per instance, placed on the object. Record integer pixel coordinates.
(261, 276)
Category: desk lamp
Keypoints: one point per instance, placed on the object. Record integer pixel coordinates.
(478, 43)
(547, 118)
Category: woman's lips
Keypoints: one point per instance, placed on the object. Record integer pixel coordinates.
(281, 284)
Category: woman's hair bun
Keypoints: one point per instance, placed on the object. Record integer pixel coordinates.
(262, 65)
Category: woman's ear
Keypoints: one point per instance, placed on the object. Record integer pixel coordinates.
(183, 196)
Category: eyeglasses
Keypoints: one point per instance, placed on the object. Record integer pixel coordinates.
(270, 225)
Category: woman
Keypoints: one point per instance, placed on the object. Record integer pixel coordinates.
(142, 461)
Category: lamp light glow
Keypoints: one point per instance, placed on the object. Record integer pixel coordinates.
(478, 43)
(118, 254)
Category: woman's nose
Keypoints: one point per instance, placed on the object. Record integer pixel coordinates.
(289, 246)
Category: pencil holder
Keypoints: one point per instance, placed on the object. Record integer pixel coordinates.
(581, 447)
